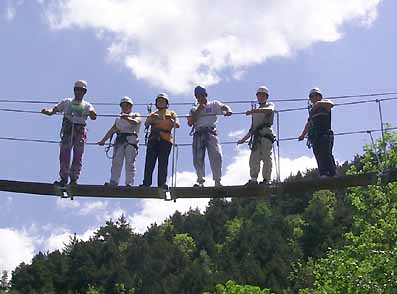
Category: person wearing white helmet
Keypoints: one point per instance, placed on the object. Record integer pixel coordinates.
(161, 123)
(319, 132)
(126, 127)
(203, 119)
(261, 137)
(73, 133)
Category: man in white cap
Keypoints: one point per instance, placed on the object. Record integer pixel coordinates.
(160, 141)
(126, 126)
(319, 131)
(204, 118)
(73, 132)
(261, 137)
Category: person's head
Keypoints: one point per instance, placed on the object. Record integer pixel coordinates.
(201, 94)
(162, 101)
(126, 104)
(315, 95)
(80, 88)
(262, 94)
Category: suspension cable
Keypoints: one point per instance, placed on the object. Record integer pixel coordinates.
(383, 131)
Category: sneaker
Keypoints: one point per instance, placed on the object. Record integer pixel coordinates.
(164, 186)
(198, 185)
(251, 183)
(264, 182)
(218, 184)
(324, 176)
(129, 185)
(73, 182)
(144, 186)
(61, 182)
(110, 184)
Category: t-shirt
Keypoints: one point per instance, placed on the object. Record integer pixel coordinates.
(163, 124)
(127, 127)
(259, 119)
(208, 116)
(321, 120)
(76, 113)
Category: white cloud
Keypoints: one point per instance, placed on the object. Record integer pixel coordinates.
(15, 247)
(93, 207)
(64, 203)
(19, 246)
(177, 44)
(57, 241)
(237, 133)
(102, 210)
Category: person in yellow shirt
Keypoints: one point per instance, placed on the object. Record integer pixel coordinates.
(160, 141)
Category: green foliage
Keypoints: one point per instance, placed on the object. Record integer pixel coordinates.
(367, 263)
(185, 244)
(4, 283)
(232, 288)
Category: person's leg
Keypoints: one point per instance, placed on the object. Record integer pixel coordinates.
(79, 138)
(150, 162)
(117, 163)
(254, 163)
(321, 151)
(64, 159)
(130, 156)
(164, 152)
(215, 157)
(198, 149)
(330, 159)
(316, 151)
(266, 148)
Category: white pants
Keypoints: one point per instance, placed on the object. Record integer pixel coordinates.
(263, 152)
(121, 152)
(208, 141)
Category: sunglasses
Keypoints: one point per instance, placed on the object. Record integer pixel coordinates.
(79, 89)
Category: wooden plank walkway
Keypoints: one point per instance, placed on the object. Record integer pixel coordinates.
(304, 185)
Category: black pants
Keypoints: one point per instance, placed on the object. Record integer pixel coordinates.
(322, 148)
(156, 149)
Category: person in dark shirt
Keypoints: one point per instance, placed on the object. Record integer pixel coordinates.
(319, 133)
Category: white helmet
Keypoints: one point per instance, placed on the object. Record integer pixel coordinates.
(164, 96)
(315, 91)
(263, 89)
(126, 99)
(80, 84)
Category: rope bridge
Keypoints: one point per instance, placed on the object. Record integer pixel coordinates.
(174, 192)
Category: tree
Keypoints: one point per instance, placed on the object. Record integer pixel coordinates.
(4, 282)
(367, 263)
(232, 288)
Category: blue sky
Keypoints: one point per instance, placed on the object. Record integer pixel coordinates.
(140, 49)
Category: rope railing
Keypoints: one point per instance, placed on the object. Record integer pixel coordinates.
(234, 113)
(241, 101)
(190, 144)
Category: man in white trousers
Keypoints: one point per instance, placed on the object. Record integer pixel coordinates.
(261, 137)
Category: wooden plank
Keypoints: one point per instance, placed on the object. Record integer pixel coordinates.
(303, 185)
(80, 190)
(223, 192)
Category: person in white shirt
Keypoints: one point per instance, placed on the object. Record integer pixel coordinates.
(203, 118)
(127, 127)
(73, 133)
(261, 137)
